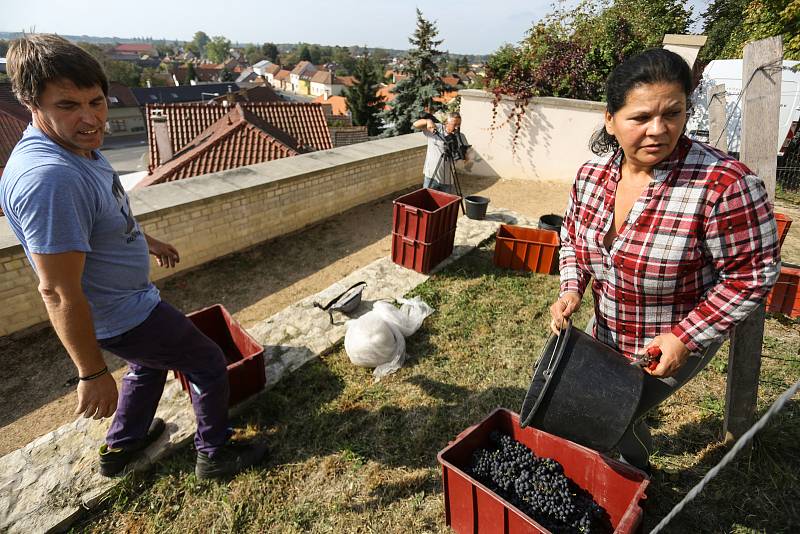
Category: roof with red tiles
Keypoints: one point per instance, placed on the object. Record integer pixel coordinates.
(348, 81)
(303, 121)
(132, 48)
(7, 94)
(273, 69)
(338, 104)
(13, 121)
(446, 97)
(451, 80)
(326, 77)
(237, 139)
(283, 74)
(385, 93)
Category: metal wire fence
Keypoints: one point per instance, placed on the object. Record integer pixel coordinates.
(788, 174)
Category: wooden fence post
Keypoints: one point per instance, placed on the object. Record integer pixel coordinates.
(717, 136)
(761, 101)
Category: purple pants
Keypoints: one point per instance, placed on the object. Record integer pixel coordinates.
(168, 340)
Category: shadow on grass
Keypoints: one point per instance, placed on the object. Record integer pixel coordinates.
(758, 491)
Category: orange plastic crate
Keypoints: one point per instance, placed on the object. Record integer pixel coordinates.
(471, 507)
(785, 295)
(784, 222)
(526, 249)
(243, 354)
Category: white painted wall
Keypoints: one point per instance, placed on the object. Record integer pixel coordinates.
(553, 140)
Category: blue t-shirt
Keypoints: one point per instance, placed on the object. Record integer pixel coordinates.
(57, 201)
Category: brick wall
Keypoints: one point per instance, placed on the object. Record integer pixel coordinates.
(213, 215)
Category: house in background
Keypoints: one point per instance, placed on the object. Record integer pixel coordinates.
(125, 118)
(336, 111)
(252, 93)
(133, 51)
(237, 139)
(282, 80)
(300, 77)
(182, 93)
(325, 83)
(171, 127)
(14, 118)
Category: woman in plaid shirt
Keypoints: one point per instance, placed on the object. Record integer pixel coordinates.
(679, 238)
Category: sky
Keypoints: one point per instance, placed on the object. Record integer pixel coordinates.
(466, 26)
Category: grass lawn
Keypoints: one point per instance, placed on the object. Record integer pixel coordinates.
(348, 455)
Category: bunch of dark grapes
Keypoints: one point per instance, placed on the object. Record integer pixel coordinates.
(538, 487)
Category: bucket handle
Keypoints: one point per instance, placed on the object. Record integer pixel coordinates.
(552, 364)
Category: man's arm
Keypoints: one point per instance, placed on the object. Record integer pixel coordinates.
(61, 291)
(166, 255)
(427, 124)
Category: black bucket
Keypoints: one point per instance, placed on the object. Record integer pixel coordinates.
(582, 390)
(476, 207)
(551, 222)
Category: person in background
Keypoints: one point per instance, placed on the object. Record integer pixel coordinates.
(69, 210)
(679, 238)
(437, 173)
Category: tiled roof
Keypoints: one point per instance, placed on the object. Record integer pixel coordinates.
(347, 81)
(338, 104)
(237, 139)
(6, 94)
(348, 135)
(283, 74)
(304, 122)
(13, 121)
(446, 97)
(273, 69)
(451, 80)
(385, 93)
(324, 76)
(132, 48)
(303, 67)
(123, 96)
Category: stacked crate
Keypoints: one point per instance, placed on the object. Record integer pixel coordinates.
(423, 229)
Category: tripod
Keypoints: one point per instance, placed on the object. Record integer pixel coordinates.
(449, 162)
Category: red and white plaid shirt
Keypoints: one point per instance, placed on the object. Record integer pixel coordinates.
(697, 253)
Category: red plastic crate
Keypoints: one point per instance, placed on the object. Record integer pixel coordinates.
(784, 222)
(419, 256)
(244, 355)
(471, 507)
(526, 249)
(425, 215)
(785, 294)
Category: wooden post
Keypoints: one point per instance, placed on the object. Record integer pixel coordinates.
(717, 136)
(762, 61)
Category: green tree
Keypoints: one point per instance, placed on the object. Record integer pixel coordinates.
(270, 52)
(227, 76)
(415, 94)
(304, 54)
(362, 98)
(191, 72)
(199, 42)
(731, 25)
(252, 54)
(124, 72)
(217, 49)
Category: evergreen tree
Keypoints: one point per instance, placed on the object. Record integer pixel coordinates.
(362, 99)
(191, 72)
(414, 95)
(270, 51)
(304, 54)
(199, 42)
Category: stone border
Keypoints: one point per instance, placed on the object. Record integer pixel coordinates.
(48, 484)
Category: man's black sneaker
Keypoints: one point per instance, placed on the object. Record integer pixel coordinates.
(232, 458)
(112, 461)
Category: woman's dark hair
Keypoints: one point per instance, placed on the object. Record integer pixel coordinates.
(655, 65)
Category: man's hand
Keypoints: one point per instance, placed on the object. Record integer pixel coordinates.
(166, 255)
(673, 355)
(97, 398)
(430, 126)
(561, 309)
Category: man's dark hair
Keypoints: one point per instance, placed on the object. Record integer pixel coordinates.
(655, 65)
(34, 60)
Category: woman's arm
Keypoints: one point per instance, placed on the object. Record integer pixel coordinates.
(574, 277)
(742, 238)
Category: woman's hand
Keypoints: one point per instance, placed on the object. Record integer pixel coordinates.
(166, 255)
(673, 355)
(561, 309)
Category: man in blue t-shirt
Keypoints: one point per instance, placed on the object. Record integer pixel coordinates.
(67, 206)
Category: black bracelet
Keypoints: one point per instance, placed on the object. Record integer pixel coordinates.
(95, 375)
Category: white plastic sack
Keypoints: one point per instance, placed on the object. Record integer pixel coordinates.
(377, 338)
